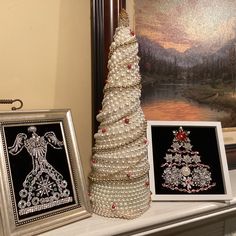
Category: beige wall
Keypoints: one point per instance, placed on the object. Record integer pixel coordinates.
(130, 11)
(45, 59)
(73, 70)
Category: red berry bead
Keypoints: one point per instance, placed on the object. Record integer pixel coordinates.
(126, 120)
(129, 175)
(146, 141)
(113, 206)
(132, 33)
(129, 66)
(104, 130)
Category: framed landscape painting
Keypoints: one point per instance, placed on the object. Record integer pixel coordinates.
(188, 59)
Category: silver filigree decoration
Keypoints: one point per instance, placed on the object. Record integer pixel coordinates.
(184, 171)
(44, 187)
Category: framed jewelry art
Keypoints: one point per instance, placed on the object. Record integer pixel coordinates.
(187, 161)
(42, 185)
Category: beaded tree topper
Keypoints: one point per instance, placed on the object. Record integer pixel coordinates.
(119, 184)
(183, 169)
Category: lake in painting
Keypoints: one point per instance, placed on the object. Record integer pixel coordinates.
(188, 59)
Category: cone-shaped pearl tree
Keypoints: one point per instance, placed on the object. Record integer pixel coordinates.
(119, 183)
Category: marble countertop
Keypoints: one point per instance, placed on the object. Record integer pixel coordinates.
(160, 216)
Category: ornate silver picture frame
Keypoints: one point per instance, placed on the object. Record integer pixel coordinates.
(42, 185)
(187, 161)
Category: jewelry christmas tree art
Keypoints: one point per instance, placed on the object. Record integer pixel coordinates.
(119, 184)
(183, 169)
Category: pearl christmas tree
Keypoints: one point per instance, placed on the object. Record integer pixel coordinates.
(119, 184)
(183, 169)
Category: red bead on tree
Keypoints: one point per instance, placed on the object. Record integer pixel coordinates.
(129, 175)
(126, 120)
(113, 206)
(104, 130)
(181, 136)
(145, 141)
(129, 66)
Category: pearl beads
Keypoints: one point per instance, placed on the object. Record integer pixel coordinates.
(119, 178)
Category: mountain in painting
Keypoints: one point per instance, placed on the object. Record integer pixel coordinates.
(191, 57)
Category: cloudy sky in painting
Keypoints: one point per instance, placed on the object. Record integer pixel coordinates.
(182, 24)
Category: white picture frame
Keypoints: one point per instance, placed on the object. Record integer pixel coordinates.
(42, 184)
(177, 165)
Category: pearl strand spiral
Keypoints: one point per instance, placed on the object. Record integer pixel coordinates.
(119, 183)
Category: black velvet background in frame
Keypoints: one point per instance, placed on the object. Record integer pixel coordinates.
(203, 139)
(21, 164)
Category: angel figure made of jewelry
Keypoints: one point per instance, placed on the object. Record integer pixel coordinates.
(44, 187)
